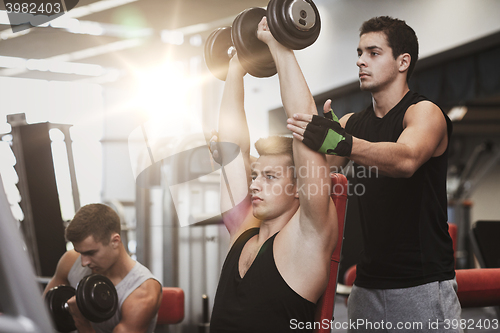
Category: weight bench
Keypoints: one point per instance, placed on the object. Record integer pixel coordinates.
(477, 287)
(484, 240)
(326, 303)
(172, 306)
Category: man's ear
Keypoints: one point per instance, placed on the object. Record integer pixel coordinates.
(115, 240)
(404, 61)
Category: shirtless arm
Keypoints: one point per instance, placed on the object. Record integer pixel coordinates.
(424, 136)
(140, 307)
(62, 270)
(233, 128)
(317, 211)
(304, 246)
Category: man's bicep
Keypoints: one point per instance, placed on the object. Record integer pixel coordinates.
(62, 270)
(140, 307)
(425, 129)
(344, 119)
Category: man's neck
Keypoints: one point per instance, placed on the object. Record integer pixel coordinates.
(269, 227)
(386, 99)
(121, 267)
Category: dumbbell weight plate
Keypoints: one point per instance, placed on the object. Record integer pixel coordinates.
(55, 300)
(295, 24)
(96, 298)
(254, 55)
(218, 52)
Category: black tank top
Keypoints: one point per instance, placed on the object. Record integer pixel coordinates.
(259, 302)
(403, 220)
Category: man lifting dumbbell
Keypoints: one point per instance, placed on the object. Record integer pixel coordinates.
(95, 296)
(283, 233)
(98, 249)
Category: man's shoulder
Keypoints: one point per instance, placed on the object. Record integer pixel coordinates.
(424, 108)
(147, 287)
(140, 274)
(138, 283)
(418, 101)
(67, 260)
(148, 294)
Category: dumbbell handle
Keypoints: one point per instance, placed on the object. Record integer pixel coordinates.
(231, 51)
(66, 306)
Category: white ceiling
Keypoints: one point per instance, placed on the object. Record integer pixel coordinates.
(131, 36)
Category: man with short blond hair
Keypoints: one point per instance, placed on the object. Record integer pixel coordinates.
(282, 235)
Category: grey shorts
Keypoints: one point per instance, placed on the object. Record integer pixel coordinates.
(432, 307)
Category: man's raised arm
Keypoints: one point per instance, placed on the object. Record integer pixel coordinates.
(317, 210)
(233, 128)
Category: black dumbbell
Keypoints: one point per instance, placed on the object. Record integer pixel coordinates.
(96, 298)
(254, 55)
(294, 23)
(219, 49)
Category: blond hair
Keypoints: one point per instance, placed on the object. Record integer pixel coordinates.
(275, 145)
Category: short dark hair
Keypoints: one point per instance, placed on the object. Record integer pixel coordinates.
(97, 220)
(400, 36)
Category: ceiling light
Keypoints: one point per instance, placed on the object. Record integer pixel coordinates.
(20, 65)
(96, 7)
(12, 62)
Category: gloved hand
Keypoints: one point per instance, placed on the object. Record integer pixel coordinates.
(327, 136)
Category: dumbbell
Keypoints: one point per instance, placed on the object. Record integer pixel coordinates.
(96, 298)
(294, 23)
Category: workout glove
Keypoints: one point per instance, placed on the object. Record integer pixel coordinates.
(325, 135)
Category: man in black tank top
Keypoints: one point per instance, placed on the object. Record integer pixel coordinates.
(284, 231)
(399, 150)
